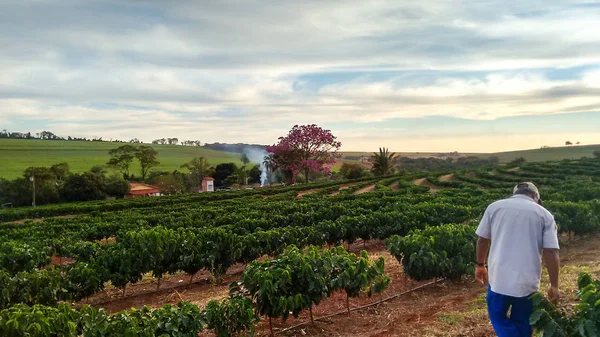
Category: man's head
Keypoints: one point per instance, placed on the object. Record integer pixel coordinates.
(528, 189)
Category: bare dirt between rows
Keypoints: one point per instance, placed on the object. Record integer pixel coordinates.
(22, 221)
(306, 192)
(367, 189)
(172, 290)
(424, 182)
(447, 177)
(343, 187)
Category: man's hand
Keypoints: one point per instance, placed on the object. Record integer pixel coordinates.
(481, 274)
(552, 260)
(553, 294)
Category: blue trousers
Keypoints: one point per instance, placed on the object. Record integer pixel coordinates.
(517, 325)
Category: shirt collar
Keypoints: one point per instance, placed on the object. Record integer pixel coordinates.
(523, 196)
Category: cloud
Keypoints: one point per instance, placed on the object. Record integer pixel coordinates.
(243, 71)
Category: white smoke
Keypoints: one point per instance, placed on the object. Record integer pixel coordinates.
(257, 156)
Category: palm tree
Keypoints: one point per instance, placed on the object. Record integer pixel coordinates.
(383, 162)
(244, 158)
(269, 164)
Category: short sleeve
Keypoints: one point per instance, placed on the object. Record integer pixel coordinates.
(485, 225)
(550, 234)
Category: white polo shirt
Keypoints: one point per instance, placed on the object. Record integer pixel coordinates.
(519, 229)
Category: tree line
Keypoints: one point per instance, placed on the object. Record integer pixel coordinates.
(385, 162)
(175, 141)
(47, 135)
(56, 184)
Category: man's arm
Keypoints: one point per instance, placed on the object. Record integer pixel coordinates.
(550, 249)
(483, 245)
(552, 259)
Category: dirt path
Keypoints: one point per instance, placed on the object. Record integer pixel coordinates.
(447, 177)
(346, 186)
(343, 187)
(22, 221)
(172, 290)
(305, 192)
(367, 189)
(424, 182)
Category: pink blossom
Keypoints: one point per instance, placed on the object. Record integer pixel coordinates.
(306, 148)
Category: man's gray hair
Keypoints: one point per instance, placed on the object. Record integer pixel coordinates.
(528, 188)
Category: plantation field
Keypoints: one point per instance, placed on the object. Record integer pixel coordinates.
(18, 154)
(177, 254)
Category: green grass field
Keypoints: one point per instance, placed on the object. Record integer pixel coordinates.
(18, 154)
(553, 153)
(536, 155)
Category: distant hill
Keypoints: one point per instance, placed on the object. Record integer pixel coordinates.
(237, 148)
(552, 153)
(534, 155)
(18, 154)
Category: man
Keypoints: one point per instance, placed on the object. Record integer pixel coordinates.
(520, 231)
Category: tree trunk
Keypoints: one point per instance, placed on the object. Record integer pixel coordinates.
(123, 295)
(191, 279)
(348, 303)
(312, 320)
(158, 283)
(271, 327)
(306, 174)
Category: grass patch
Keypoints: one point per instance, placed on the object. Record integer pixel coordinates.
(477, 308)
(19, 154)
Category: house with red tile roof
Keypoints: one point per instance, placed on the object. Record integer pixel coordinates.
(138, 190)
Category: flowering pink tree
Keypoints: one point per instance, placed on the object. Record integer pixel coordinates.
(306, 148)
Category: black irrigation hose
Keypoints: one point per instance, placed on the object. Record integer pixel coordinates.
(361, 307)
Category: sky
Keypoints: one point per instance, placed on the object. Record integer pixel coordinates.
(468, 76)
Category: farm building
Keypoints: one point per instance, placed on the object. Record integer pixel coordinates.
(208, 184)
(366, 160)
(138, 190)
